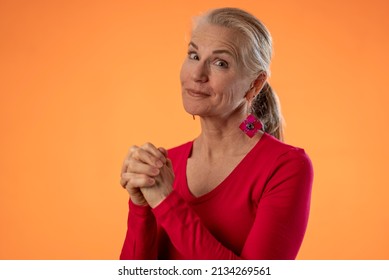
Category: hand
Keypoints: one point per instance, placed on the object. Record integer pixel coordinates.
(163, 186)
(139, 168)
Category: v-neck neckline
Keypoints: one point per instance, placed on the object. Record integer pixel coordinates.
(197, 199)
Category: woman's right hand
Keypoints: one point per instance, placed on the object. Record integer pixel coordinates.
(139, 168)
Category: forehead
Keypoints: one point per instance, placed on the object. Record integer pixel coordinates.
(216, 37)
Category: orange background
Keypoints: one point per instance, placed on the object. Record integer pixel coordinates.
(81, 81)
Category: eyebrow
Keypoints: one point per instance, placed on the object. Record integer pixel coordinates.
(193, 45)
(215, 51)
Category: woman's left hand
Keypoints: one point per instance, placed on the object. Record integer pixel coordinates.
(163, 186)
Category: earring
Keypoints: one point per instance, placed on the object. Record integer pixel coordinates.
(193, 117)
(251, 125)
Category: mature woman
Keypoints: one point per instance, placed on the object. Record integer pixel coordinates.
(236, 191)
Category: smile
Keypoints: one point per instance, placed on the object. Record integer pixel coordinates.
(195, 93)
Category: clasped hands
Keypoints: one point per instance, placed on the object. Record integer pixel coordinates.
(147, 174)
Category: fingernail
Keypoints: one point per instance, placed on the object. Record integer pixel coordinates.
(159, 164)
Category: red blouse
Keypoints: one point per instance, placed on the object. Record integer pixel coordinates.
(259, 211)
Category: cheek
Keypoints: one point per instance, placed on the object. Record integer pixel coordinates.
(184, 72)
(233, 93)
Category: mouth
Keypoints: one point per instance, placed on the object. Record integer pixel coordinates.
(196, 93)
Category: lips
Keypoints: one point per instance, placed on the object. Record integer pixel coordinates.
(196, 93)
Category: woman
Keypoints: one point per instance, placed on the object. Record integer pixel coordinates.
(236, 191)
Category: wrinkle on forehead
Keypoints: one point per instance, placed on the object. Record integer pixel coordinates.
(227, 38)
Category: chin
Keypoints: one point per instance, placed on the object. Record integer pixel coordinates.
(191, 111)
(192, 108)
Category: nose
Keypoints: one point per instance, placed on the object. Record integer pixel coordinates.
(200, 72)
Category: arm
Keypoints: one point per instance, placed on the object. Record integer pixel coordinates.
(279, 226)
(137, 171)
(141, 237)
(283, 209)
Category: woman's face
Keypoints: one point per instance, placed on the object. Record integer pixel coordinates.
(213, 81)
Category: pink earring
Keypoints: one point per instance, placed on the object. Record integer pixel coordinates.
(251, 125)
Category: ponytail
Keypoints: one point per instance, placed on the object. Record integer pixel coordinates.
(266, 107)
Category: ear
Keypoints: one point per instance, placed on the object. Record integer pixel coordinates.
(256, 86)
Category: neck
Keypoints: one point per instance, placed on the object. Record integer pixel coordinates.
(221, 137)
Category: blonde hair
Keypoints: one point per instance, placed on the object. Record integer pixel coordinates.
(255, 52)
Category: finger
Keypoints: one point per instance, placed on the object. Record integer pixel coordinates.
(154, 151)
(147, 157)
(123, 182)
(124, 166)
(140, 181)
(124, 179)
(131, 150)
(131, 180)
(163, 151)
(135, 166)
(169, 163)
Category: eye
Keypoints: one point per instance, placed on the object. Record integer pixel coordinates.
(193, 56)
(221, 63)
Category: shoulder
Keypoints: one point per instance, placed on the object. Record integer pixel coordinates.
(285, 158)
(278, 150)
(287, 169)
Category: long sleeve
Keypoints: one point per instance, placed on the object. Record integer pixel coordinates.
(277, 229)
(187, 232)
(283, 210)
(141, 237)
